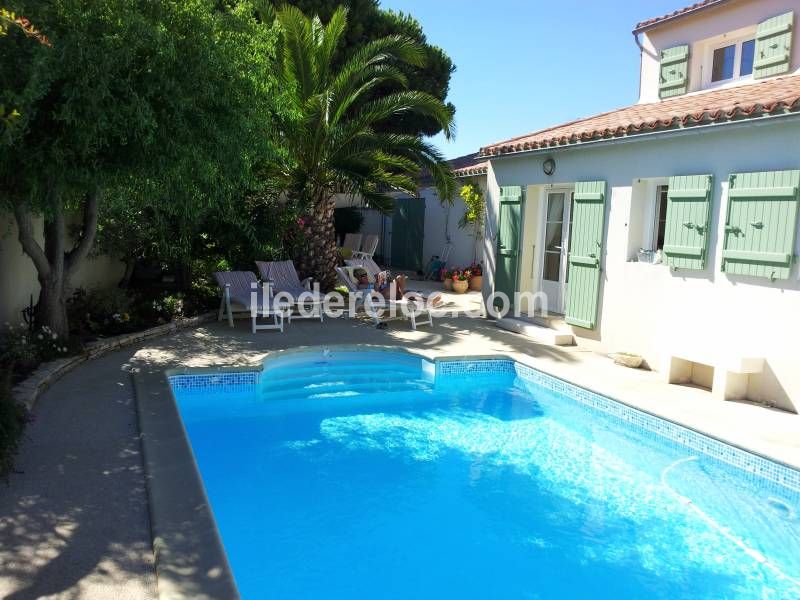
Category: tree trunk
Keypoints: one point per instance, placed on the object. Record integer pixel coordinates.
(51, 309)
(130, 265)
(54, 266)
(319, 256)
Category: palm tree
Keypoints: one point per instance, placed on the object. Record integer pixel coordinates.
(332, 140)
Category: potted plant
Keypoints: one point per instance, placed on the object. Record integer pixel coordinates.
(461, 281)
(447, 279)
(476, 277)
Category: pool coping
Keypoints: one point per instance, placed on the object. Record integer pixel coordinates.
(190, 559)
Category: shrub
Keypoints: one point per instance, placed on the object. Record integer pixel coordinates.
(100, 311)
(13, 418)
(475, 203)
(24, 350)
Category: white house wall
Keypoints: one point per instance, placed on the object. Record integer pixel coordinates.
(648, 309)
(708, 23)
(18, 280)
(441, 226)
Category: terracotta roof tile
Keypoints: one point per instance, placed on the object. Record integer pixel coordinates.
(765, 98)
(477, 169)
(458, 164)
(676, 13)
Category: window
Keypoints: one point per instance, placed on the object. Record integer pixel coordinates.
(746, 62)
(723, 63)
(733, 61)
(660, 217)
(647, 222)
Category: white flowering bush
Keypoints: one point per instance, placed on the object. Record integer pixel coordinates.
(22, 347)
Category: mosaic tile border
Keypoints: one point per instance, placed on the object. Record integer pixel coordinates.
(234, 378)
(679, 435)
(474, 367)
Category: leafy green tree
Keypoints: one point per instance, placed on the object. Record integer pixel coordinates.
(161, 103)
(330, 141)
(8, 20)
(474, 211)
(367, 22)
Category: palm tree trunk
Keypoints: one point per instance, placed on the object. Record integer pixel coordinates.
(319, 256)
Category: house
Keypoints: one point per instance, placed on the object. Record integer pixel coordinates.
(668, 228)
(420, 227)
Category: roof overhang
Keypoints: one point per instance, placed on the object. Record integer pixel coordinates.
(650, 135)
(678, 14)
(474, 170)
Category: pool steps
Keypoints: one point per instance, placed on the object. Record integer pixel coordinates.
(364, 387)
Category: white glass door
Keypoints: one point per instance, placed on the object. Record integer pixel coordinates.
(556, 249)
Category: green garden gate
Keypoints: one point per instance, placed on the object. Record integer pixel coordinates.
(509, 230)
(408, 231)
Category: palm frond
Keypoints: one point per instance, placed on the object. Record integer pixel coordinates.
(297, 66)
(331, 142)
(408, 101)
(359, 84)
(330, 39)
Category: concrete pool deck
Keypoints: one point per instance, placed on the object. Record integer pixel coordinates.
(74, 523)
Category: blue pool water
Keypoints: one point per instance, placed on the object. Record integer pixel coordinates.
(368, 475)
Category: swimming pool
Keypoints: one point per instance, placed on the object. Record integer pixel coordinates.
(371, 474)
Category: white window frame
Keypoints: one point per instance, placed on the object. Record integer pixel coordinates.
(736, 39)
(650, 220)
(656, 212)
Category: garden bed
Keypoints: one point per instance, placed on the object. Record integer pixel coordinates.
(48, 373)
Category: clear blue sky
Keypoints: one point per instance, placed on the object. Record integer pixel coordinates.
(522, 65)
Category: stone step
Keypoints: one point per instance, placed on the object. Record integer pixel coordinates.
(556, 322)
(539, 333)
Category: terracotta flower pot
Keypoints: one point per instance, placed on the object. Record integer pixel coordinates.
(459, 287)
(476, 282)
(448, 284)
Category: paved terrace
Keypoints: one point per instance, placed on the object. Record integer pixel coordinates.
(74, 522)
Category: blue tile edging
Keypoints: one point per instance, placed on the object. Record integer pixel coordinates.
(488, 366)
(221, 379)
(739, 458)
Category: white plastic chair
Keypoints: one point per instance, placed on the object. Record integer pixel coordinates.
(368, 247)
(240, 293)
(284, 279)
(419, 310)
(352, 241)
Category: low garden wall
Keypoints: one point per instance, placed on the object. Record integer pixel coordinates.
(29, 390)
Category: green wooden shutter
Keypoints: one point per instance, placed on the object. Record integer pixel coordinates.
(674, 71)
(688, 210)
(508, 237)
(773, 46)
(585, 253)
(761, 224)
